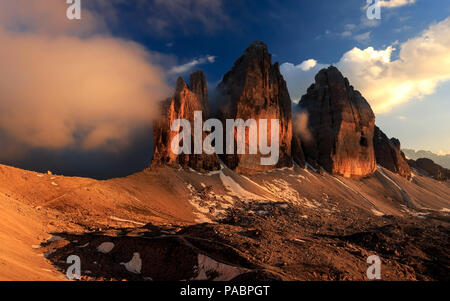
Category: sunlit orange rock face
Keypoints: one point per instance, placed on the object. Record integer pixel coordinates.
(389, 155)
(182, 106)
(255, 89)
(341, 125)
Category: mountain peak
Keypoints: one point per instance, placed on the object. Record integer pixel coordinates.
(340, 126)
(180, 85)
(255, 89)
(198, 85)
(258, 45)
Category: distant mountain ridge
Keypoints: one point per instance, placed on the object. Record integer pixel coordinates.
(444, 161)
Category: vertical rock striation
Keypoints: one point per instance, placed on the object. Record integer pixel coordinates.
(182, 106)
(389, 155)
(255, 89)
(341, 126)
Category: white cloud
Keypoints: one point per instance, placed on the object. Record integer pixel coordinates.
(395, 3)
(423, 63)
(182, 69)
(298, 80)
(369, 23)
(306, 65)
(363, 37)
(442, 153)
(346, 34)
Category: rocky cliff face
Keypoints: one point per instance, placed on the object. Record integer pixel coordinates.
(341, 125)
(389, 155)
(297, 151)
(429, 168)
(255, 89)
(182, 106)
(198, 85)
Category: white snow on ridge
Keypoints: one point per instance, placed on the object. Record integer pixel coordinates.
(126, 221)
(377, 213)
(235, 189)
(381, 171)
(207, 265)
(54, 238)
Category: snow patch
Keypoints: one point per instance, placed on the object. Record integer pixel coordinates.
(235, 189)
(134, 265)
(54, 238)
(282, 190)
(381, 171)
(105, 247)
(309, 167)
(213, 173)
(208, 266)
(126, 221)
(377, 213)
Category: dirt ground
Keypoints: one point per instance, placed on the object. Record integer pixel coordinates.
(167, 224)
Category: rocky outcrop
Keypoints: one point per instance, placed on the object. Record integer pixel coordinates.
(429, 168)
(198, 85)
(255, 89)
(341, 126)
(181, 106)
(297, 151)
(389, 155)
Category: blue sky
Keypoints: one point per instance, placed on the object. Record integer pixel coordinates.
(295, 31)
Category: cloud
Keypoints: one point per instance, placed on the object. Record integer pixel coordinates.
(389, 3)
(350, 27)
(185, 68)
(363, 37)
(395, 3)
(166, 17)
(423, 63)
(67, 84)
(306, 65)
(46, 17)
(442, 153)
(300, 123)
(346, 34)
